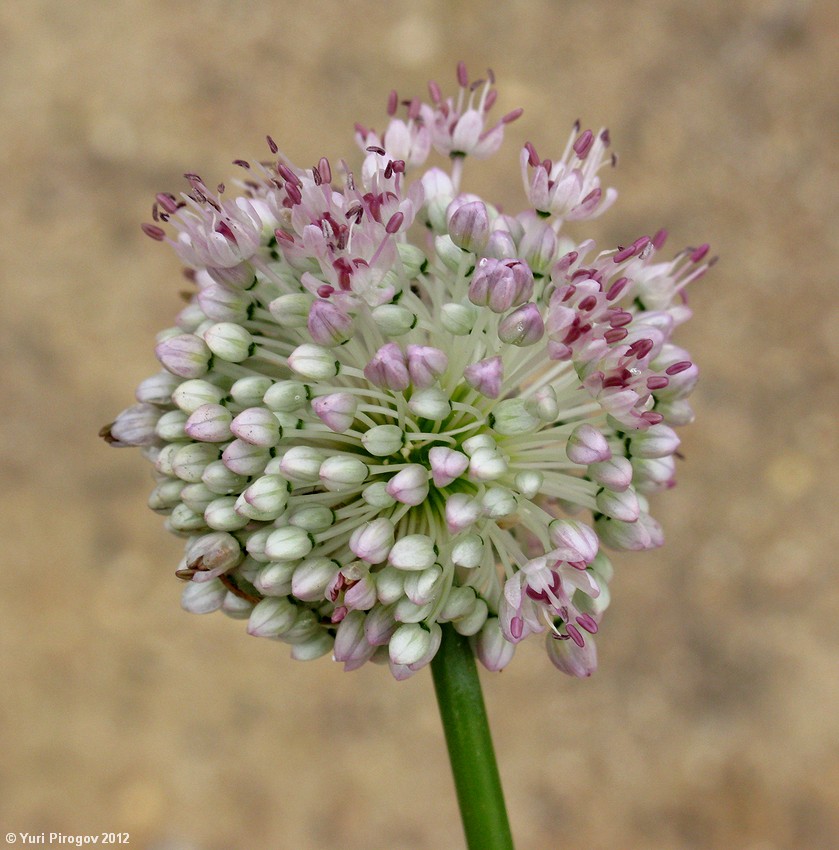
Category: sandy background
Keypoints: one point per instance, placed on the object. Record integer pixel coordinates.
(712, 722)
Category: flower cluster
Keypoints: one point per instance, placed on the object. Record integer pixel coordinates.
(387, 403)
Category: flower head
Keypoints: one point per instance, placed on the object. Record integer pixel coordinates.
(386, 399)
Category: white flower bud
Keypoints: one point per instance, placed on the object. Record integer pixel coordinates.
(376, 495)
(458, 319)
(272, 617)
(413, 259)
(390, 585)
(406, 611)
(487, 464)
(196, 496)
(170, 426)
(409, 485)
(409, 643)
(210, 423)
(380, 625)
(339, 473)
(422, 587)
(494, 651)
(657, 441)
(302, 463)
(287, 396)
(511, 418)
(245, 459)
(351, 645)
(264, 499)
(166, 495)
(393, 319)
(165, 458)
(229, 342)
(373, 541)
(255, 544)
(430, 403)
(158, 389)
(459, 603)
(235, 607)
(249, 391)
(191, 460)
(543, 404)
(203, 598)
(473, 622)
(449, 254)
(182, 519)
(313, 362)
(615, 473)
(291, 311)
(468, 551)
(383, 440)
(314, 647)
(257, 426)
(274, 579)
(218, 478)
(479, 441)
(529, 482)
(462, 511)
(190, 395)
(622, 505)
(221, 514)
(311, 578)
(413, 552)
(288, 544)
(653, 474)
(312, 518)
(499, 502)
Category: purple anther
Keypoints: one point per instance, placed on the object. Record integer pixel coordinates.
(699, 253)
(616, 288)
(615, 335)
(587, 622)
(326, 290)
(588, 303)
(282, 236)
(641, 242)
(657, 382)
(652, 417)
(155, 232)
(516, 627)
(489, 100)
(574, 634)
(288, 175)
(434, 91)
(583, 145)
(375, 149)
(640, 348)
(620, 318)
(659, 239)
(242, 163)
(392, 102)
(167, 202)
(395, 223)
(532, 156)
(272, 145)
(605, 137)
(678, 367)
(462, 76)
(398, 166)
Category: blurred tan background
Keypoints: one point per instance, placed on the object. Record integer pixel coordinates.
(713, 720)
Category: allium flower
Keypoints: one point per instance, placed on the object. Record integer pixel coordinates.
(387, 403)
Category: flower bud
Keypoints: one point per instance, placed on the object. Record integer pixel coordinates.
(439, 191)
(191, 395)
(302, 464)
(291, 311)
(212, 555)
(460, 602)
(487, 464)
(158, 389)
(401, 672)
(615, 473)
(653, 474)
(567, 656)
(311, 578)
(257, 426)
(448, 253)
(191, 460)
(264, 499)
(575, 541)
(539, 246)
(274, 579)
(373, 541)
(287, 396)
(376, 495)
(169, 427)
(657, 441)
(272, 617)
(501, 284)
(644, 533)
(203, 598)
(336, 410)
(413, 259)
(249, 391)
(393, 319)
(431, 403)
(485, 376)
(413, 552)
(474, 621)
(313, 518)
(458, 319)
(318, 644)
(494, 651)
(136, 426)
(380, 625)
(468, 551)
(229, 342)
(221, 304)
(184, 520)
(447, 465)
(409, 643)
(221, 514)
(462, 511)
(390, 585)
(511, 418)
(209, 423)
(328, 324)
(166, 495)
(499, 502)
(618, 505)
(236, 607)
(288, 544)
(388, 368)
(196, 496)
(522, 327)
(339, 473)
(479, 441)
(409, 485)
(185, 355)
(468, 225)
(383, 440)
(314, 363)
(244, 459)
(425, 364)
(587, 445)
(218, 478)
(361, 594)
(422, 587)
(351, 646)
(255, 544)
(529, 483)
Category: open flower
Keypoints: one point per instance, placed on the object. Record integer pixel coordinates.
(363, 432)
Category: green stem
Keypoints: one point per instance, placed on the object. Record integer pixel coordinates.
(472, 757)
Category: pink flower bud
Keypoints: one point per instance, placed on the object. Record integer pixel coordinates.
(615, 473)
(485, 376)
(351, 647)
(425, 364)
(468, 225)
(522, 327)
(644, 533)
(587, 445)
(409, 485)
(567, 656)
(462, 511)
(328, 324)
(446, 465)
(185, 355)
(373, 541)
(388, 368)
(656, 441)
(494, 651)
(575, 541)
(501, 284)
(623, 505)
(257, 426)
(135, 426)
(336, 410)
